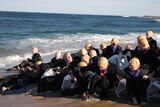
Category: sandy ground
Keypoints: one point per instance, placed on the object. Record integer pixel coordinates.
(27, 97)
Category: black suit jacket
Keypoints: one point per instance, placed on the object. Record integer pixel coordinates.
(153, 44)
(108, 52)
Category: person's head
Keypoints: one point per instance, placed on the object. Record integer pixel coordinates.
(141, 37)
(34, 50)
(128, 47)
(83, 51)
(82, 64)
(103, 45)
(58, 55)
(102, 63)
(67, 57)
(134, 64)
(38, 62)
(143, 44)
(85, 58)
(88, 46)
(114, 41)
(149, 34)
(92, 53)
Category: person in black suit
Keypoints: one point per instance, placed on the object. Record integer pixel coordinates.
(112, 49)
(103, 46)
(105, 77)
(138, 76)
(147, 54)
(151, 41)
(89, 47)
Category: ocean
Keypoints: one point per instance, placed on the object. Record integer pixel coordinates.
(19, 32)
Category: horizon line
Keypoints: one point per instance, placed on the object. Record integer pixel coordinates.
(73, 13)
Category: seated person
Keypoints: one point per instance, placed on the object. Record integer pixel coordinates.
(57, 61)
(105, 77)
(29, 70)
(29, 63)
(54, 82)
(147, 54)
(75, 83)
(103, 46)
(112, 49)
(151, 41)
(139, 38)
(89, 47)
(77, 56)
(93, 56)
(138, 76)
(86, 58)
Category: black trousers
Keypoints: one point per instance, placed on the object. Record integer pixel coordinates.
(138, 88)
(51, 83)
(100, 82)
(81, 87)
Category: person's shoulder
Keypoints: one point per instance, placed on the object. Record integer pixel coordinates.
(153, 40)
(108, 48)
(112, 66)
(118, 46)
(144, 66)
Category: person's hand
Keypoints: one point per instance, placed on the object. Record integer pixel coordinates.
(75, 80)
(145, 77)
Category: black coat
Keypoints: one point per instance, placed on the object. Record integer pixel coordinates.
(112, 71)
(108, 52)
(143, 70)
(153, 44)
(148, 57)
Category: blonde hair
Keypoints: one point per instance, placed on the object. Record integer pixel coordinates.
(84, 57)
(149, 33)
(143, 43)
(38, 62)
(87, 46)
(92, 53)
(102, 62)
(58, 54)
(140, 37)
(82, 64)
(35, 49)
(83, 51)
(103, 45)
(115, 40)
(134, 61)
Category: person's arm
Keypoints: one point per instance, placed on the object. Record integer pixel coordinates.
(122, 73)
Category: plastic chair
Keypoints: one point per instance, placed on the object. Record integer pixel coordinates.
(153, 89)
(121, 87)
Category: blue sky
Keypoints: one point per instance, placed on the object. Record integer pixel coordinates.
(101, 7)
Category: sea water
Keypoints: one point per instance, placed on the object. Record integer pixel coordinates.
(19, 32)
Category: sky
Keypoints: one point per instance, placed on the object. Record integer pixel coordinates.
(97, 7)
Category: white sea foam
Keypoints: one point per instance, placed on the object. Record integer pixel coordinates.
(157, 20)
(48, 46)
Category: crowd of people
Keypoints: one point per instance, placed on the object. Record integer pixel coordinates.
(91, 73)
